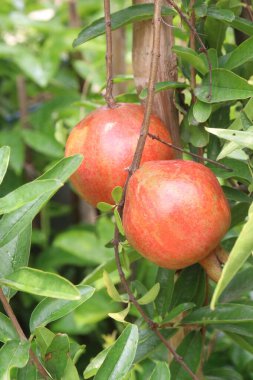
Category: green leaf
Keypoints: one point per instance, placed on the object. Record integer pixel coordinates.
(14, 354)
(44, 338)
(241, 54)
(7, 330)
(235, 195)
(191, 57)
(189, 286)
(109, 266)
(45, 284)
(49, 310)
(223, 313)
(4, 161)
(56, 357)
(111, 290)
(225, 86)
(95, 364)
(26, 194)
(15, 222)
(179, 309)
(161, 372)
(118, 222)
(28, 372)
(201, 111)
(165, 277)
(198, 136)
(117, 193)
(63, 168)
(220, 14)
(242, 138)
(70, 371)
(123, 17)
(190, 350)
(239, 286)
(14, 255)
(242, 24)
(43, 143)
(240, 170)
(150, 296)
(237, 125)
(104, 207)
(241, 251)
(120, 357)
(162, 86)
(121, 315)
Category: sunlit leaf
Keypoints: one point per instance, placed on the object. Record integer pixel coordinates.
(46, 284)
(4, 161)
(150, 296)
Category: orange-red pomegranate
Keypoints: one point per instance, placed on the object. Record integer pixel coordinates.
(175, 212)
(107, 139)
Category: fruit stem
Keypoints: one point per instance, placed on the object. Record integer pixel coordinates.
(108, 32)
(214, 262)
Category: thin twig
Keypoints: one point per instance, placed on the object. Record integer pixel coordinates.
(108, 31)
(134, 166)
(196, 34)
(218, 164)
(8, 309)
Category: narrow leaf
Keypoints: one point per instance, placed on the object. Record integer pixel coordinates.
(190, 350)
(56, 357)
(63, 168)
(120, 357)
(225, 86)
(191, 57)
(111, 290)
(49, 310)
(46, 284)
(241, 54)
(95, 363)
(242, 24)
(162, 86)
(118, 222)
(14, 255)
(165, 277)
(120, 316)
(242, 138)
(4, 161)
(15, 222)
(123, 17)
(150, 296)
(43, 143)
(27, 193)
(179, 309)
(241, 251)
(220, 14)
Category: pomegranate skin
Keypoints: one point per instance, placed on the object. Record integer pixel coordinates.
(175, 212)
(107, 140)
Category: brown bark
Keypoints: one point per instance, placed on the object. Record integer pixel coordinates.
(118, 59)
(164, 105)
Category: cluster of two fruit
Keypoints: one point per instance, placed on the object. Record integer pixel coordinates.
(175, 211)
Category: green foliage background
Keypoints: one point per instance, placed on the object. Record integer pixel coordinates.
(71, 326)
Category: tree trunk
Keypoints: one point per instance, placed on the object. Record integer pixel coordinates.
(164, 105)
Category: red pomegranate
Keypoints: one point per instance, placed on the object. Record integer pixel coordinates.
(175, 212)
(107, 140)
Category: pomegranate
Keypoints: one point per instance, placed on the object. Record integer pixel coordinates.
(107, 140)
(175, 212)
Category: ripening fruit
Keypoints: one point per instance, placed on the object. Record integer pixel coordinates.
(175, 212)
(107, 140)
